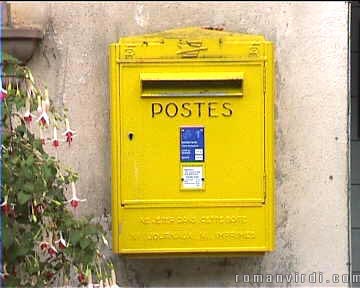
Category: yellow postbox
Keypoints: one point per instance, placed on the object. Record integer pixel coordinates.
(192, 143)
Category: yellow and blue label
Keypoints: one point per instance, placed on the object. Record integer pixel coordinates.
(192, 144)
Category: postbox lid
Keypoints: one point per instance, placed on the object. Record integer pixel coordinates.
(192, 42)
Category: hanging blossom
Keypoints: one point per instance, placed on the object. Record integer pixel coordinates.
(81, 278)
(27, 115)
(113, 279)
(61, 242)
(69, 134)
(90, 282)
(39, 107)
(39, 208)
(6, 207)
(17, 90)
(52, 250)
(55, 141)
(44, 245)
(41, 135)
(4, 274)
(3, 94)
(46, 100)
(30, 90)
(47, 246)
(49, 275)
(44, 117)
(74, 201)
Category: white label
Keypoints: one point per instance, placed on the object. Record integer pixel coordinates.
(198, 151)
(192, 177)
(199, 154)
(198, 157)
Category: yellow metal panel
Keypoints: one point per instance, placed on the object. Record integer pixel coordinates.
(114, 92)
(239, 146)
(192, 43)
(220, 200)
(191, 76)
(174, 230)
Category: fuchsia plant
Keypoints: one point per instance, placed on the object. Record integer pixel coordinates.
(42, 240)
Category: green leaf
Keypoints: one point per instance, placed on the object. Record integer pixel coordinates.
(34, 219)
(50, 171)
(28, 174)
(84, 243)
(29, 187)
(21, 128)
(8, 239)
(23, 198)
(56, 202)
(75, 237)
(22, 250)
(30, 160)
(9, 59)
(37, 145)
(92, 229)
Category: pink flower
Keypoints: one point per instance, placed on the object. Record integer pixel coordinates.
(74, 201)
(61, 242)
(3, 94)
(39, 208)
(49, 275)
(52, 250)
(62, 245)
(6, 207)
(68, 132)
(30, 89)
(44, 117)
(27, 115)
(41, 135)
(81, 277)
(55, 141)
(113, 279)
(39, 108)
(69, 136)
(44, 245)
(4, 275)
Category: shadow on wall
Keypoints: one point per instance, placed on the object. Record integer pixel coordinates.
(199, 271)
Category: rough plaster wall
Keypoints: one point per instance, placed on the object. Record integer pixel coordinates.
(311, 121)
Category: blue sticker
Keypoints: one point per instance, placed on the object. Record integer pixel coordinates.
(192, 144)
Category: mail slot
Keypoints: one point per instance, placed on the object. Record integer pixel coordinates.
(191, 84)
(192, 143)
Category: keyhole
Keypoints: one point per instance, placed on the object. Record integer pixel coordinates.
(131, 136)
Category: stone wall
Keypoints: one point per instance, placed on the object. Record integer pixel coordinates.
(311, 120)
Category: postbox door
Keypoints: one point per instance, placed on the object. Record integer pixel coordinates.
(225, 101)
